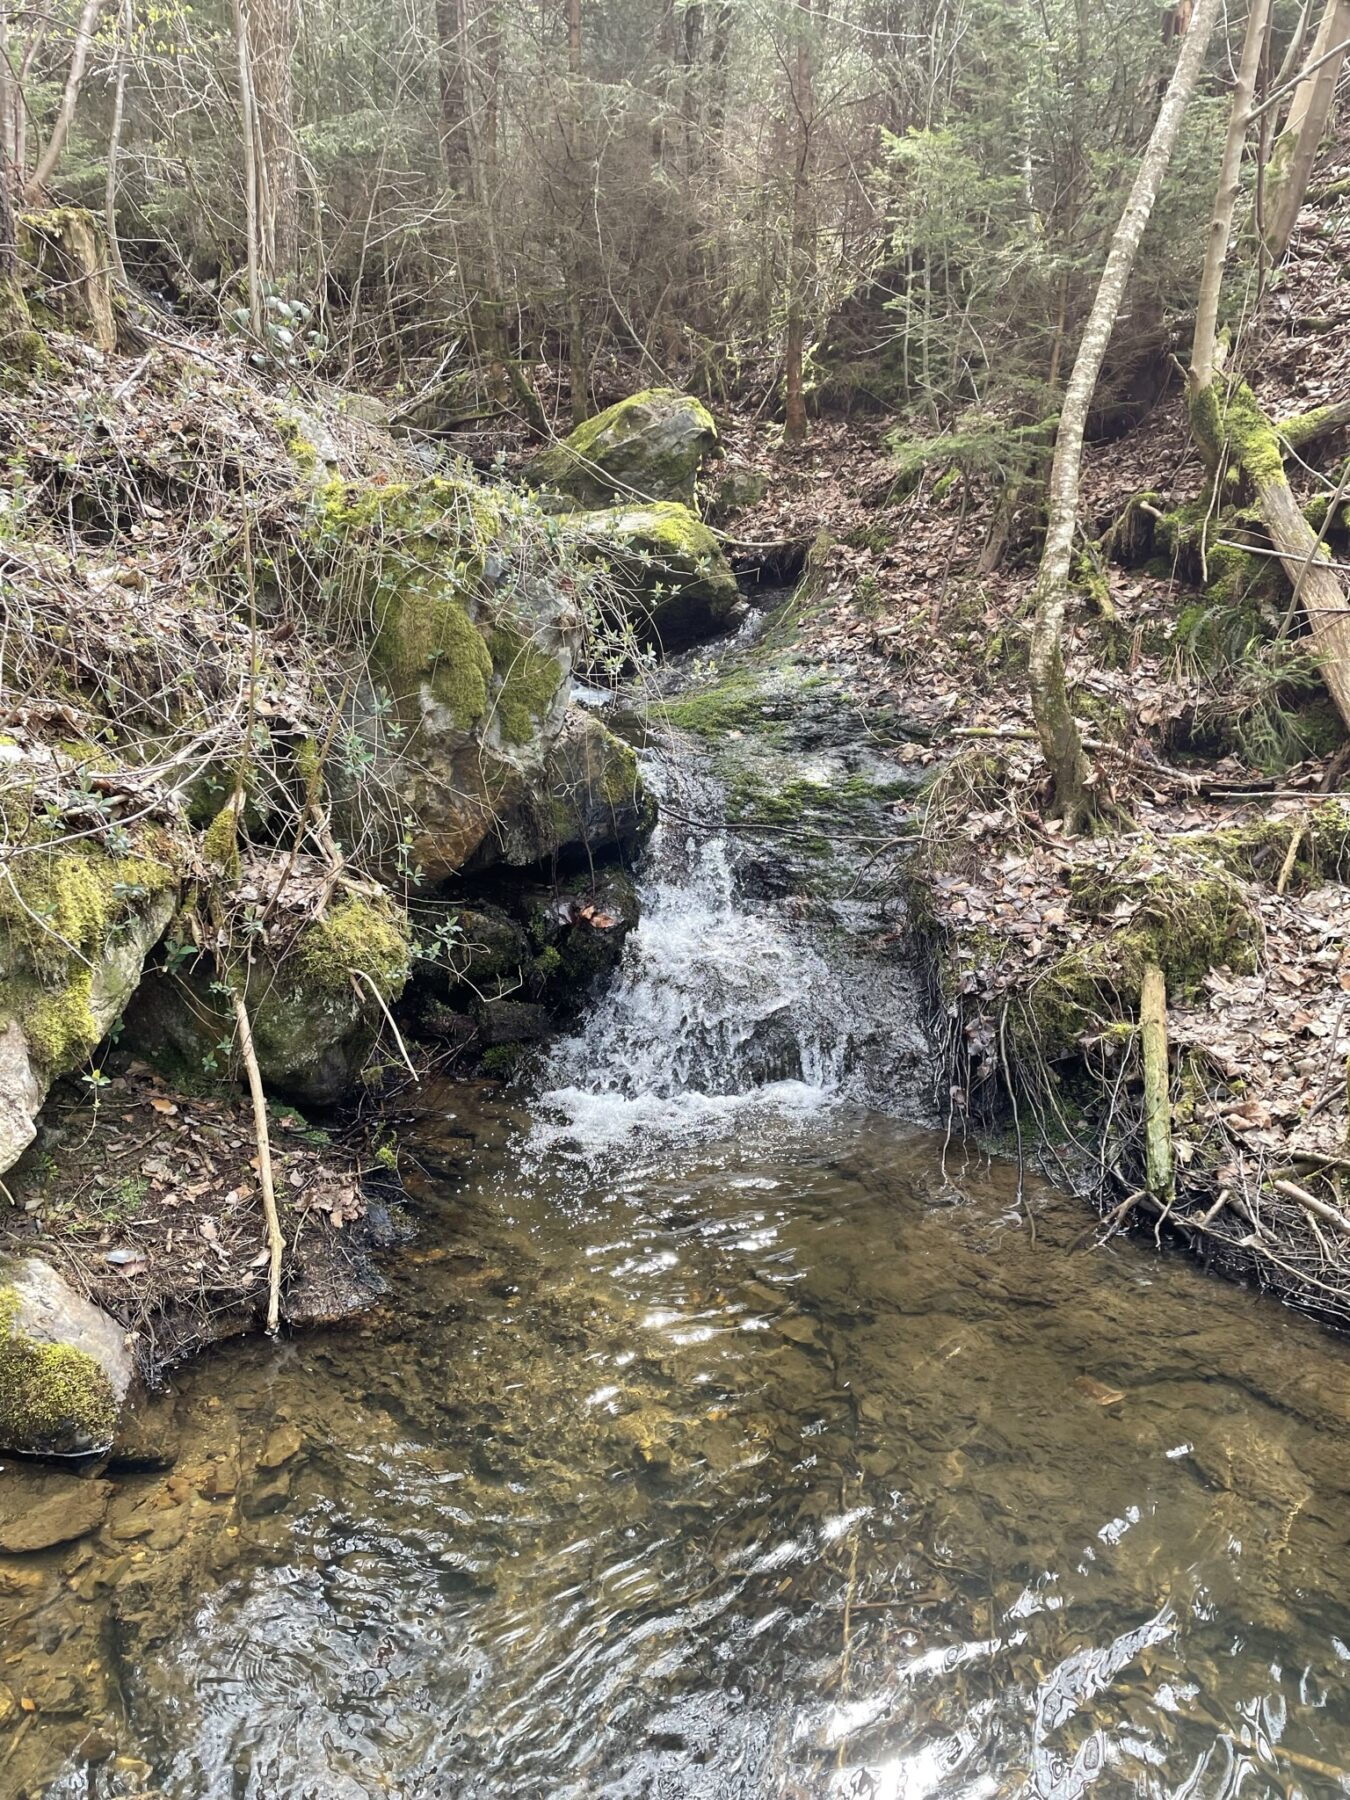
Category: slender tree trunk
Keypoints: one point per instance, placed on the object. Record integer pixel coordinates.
(79, 56)
(1231, 427)
(1061, 742)
(1205, 342)
(9, 248)
(801, 248)
(1295, 151)
(252, 209)
(124, 26)
(574, 260)
(490, 32)
(274, 26)
(452, 31)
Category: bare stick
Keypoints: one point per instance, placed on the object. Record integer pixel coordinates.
(275, 1241)
(1157, 1108)
(1310, 1203)
(1290, 857)
(398, 1035)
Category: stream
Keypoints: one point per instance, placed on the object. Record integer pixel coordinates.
(724, 1435)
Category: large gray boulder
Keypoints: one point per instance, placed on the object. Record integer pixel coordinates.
(65, 1368)
(651, 446)
(671, 578)
(472, 642)
(589, 798)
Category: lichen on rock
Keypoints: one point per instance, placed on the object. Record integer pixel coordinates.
(650, 447)
(64, 1366)
(671, 577)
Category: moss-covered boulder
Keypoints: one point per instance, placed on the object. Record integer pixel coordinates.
(649, 447)
(316, 996)
(588, 799)
(65, 1369)
(671, 578)
(471, 639)
(77, 920)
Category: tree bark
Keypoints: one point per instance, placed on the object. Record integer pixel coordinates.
(252, 208)
(452, 53)
(274, 26)
(1241, 430)
(802, 241)
(1295, 151)
(574, 258)
(1061, 742)
(79, 56)
(124, 24)
(1205, 341)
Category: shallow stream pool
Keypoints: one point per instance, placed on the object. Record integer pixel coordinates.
(781, 1461)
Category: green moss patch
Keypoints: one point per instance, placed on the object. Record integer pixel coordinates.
(356, 935)
(59, 906)
(529, 680)
(50, 1393)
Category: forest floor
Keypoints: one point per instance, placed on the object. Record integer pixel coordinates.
(1230, 861)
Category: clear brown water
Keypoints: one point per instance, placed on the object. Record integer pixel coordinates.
(776, 1461)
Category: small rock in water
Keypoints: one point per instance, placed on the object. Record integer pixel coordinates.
(1098, 1392)
(282, 1444)
(38, 1511)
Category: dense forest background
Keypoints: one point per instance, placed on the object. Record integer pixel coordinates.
(893, 206)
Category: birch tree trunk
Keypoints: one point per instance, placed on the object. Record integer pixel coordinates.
(1204, 342)
(801, 250)
(1295, 151)
(79, 56)
(1061, 742)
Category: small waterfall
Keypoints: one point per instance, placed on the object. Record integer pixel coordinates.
(722, 1001)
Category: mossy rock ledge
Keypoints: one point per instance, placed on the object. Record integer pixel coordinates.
(77, 921)
(65, 1369)
(312, 1004)
(588, 799)
(671, 577)
(649, 447)
(471, 641)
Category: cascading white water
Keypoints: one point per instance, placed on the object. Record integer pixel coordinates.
(721, 1002)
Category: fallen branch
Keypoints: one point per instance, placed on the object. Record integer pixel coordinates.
(383, 1006)
(1157, 1085)
(275, 1242)
(1310, 1203)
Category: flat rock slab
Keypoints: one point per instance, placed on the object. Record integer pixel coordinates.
(39, 1510)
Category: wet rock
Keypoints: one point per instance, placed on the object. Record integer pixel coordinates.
(675, 584)
(589, 799)
(434, 1019)
(283, 1443)
(146, 1433)
(580, 926)
(65, 1370)
(221, 1480)
(314, 1017)
(40, 1510)
(651, 446)
(490, 957)
(512, 1022)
